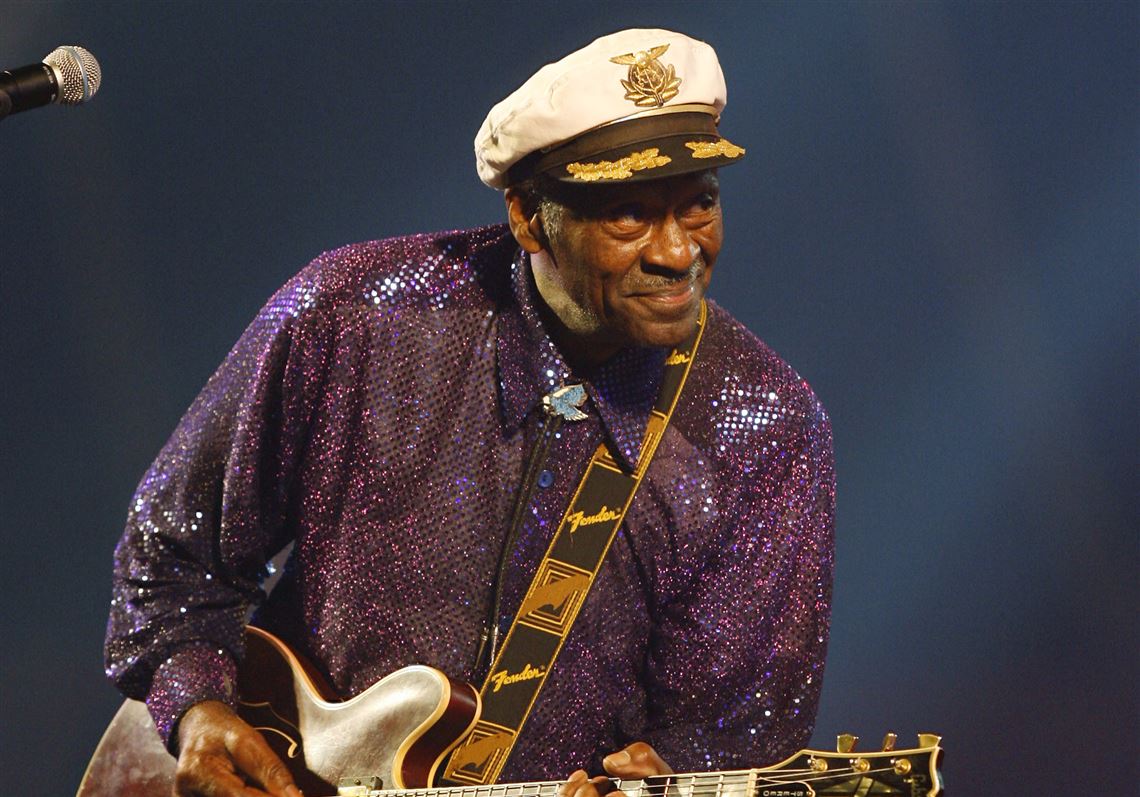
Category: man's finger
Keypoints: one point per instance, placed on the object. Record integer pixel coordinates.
(208, 776)
(253, 756)
(572, 783)
(579, 785)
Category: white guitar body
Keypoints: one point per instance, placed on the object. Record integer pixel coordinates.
(392, 735)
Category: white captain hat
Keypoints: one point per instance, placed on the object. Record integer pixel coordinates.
(635, 105)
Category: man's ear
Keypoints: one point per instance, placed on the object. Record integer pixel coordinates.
(527, 231)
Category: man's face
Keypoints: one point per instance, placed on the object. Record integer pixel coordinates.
(628, 264)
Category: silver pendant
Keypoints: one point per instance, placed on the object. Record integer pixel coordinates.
(565, 401)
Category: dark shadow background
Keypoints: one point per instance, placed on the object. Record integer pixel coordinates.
(936, 224)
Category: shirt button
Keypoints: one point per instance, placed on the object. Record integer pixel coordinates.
(545, 479)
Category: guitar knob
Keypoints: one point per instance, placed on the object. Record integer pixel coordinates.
(889, 741)
(845, 742)
(929, 739)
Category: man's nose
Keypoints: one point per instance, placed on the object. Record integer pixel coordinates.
(670, 246)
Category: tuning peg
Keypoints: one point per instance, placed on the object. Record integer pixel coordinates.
(889, 741)
(928, 739)
(845, 743)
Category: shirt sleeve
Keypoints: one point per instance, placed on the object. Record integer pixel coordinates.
(756, 621)
(207, 517)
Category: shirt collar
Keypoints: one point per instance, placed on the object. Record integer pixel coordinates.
(621, 391)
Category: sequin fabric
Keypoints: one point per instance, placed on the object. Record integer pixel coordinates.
(377, 414)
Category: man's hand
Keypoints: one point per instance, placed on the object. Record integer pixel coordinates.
(220, 753)
(638, 760)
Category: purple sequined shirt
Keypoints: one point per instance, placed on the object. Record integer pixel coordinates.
(377, 414)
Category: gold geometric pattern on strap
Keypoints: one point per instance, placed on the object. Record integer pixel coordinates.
(485, 751)
(606, 460)
(555, 596)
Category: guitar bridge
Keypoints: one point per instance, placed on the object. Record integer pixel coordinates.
(358, 787)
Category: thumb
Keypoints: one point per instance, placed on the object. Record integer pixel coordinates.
(637, 760)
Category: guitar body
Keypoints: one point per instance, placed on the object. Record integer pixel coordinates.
(130, 760)
(393, 735)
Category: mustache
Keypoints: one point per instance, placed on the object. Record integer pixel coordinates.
(662, 281)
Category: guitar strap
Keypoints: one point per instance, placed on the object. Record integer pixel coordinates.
(564, 577)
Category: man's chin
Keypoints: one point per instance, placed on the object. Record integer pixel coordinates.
(665, 334)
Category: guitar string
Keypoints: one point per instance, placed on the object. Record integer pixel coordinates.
(684, 783)
(833, 774)
(715, 782)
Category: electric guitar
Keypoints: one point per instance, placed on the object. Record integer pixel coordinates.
(390, 740)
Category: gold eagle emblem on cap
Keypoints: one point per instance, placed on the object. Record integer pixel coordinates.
(650, 83)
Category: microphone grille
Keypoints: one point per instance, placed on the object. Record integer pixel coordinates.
(78, 72)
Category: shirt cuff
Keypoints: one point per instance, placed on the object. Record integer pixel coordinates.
(191, 675)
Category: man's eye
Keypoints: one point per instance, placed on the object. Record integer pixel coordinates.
(703, 203)
(627, 214)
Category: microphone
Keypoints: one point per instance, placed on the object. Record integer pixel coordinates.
(69, 75)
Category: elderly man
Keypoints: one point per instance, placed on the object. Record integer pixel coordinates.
(415, 416)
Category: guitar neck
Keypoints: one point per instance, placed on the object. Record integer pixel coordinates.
(704, 784)
(913, 773)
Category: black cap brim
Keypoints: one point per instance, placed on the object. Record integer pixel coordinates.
(644, 148)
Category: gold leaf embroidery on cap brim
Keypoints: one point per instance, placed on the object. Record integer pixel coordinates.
(620, 169)
(649, 83)
(711, 149)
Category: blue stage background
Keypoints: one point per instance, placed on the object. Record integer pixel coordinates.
(936, 224)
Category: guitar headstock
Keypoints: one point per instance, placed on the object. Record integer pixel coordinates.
(847, 772)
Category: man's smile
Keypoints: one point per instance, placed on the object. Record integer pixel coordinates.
(678, 293)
